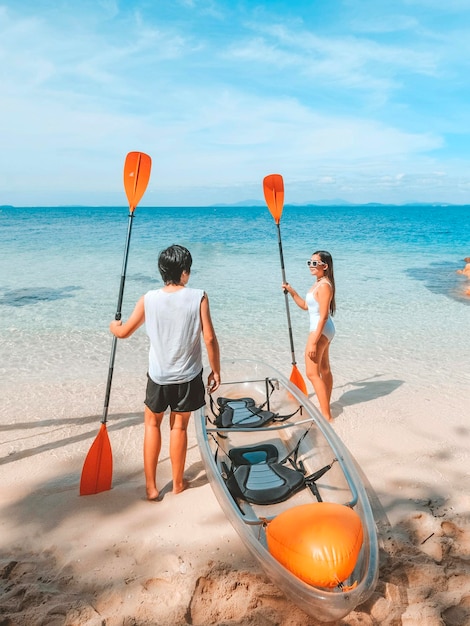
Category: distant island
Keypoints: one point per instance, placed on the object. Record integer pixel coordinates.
(337, 202)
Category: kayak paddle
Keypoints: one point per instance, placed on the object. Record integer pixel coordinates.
(97, 469)
(273, 186)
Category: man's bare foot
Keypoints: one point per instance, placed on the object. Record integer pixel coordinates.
(152, 495)
(180, 488)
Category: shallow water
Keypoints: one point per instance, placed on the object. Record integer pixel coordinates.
(401, 311)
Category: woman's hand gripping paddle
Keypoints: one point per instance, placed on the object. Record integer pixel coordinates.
(273, 187)
(97, 472)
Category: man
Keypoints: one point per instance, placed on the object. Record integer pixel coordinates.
(175, 316)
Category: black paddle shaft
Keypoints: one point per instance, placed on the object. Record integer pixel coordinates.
(286, 295)
(117, 317)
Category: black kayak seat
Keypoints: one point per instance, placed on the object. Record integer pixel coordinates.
(241, 412)
(258, 477)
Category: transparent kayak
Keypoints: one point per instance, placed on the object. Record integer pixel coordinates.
(290, 488)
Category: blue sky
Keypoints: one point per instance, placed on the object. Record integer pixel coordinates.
(362, 100)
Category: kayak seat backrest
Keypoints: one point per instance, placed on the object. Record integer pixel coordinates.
(258, 477)
(241, 413)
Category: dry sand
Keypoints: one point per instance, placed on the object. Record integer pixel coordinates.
(115, 559)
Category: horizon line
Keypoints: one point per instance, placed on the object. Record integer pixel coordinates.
(242, 204)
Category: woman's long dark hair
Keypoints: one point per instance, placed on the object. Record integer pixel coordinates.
(329, 273)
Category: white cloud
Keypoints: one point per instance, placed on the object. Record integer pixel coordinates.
(223, 138)
(217, 113)
(347, 61)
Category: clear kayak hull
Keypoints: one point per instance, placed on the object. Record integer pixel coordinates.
(302, 439)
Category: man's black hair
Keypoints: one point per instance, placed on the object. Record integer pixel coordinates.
(172, 262)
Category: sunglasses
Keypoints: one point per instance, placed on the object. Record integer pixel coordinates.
(314, 263)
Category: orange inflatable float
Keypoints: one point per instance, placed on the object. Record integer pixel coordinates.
(319, 543)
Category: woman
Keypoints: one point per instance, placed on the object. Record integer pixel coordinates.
(320, 304)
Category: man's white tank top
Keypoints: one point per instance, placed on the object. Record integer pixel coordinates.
(173, 324)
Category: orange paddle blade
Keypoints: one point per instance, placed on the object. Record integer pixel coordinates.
(97, 472)
(273, 187)
(136, 176)
(297, 379)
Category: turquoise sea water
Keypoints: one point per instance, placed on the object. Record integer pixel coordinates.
(400, 302)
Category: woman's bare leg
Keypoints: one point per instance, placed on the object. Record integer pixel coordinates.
(314, 374)
(325, 371)
(178, 448)
(152, 446)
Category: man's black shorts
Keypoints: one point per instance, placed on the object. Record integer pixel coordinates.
(181, 397)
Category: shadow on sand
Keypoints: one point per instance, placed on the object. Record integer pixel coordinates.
(365, 391)
(118, 421)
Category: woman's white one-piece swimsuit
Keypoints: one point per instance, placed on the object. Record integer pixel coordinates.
(314, 314)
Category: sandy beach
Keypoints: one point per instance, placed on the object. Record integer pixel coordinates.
(361, 110)
(115, 559)
(400, 404)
